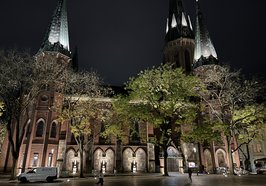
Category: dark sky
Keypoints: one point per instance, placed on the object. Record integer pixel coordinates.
(118, 38)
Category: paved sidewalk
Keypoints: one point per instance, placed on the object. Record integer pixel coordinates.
(150, 179)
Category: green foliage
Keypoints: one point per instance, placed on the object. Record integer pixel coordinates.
(2, 108)
(206, 131)
(232, 104)
(2, 124)
(121, 116)
(250, 122)
(161, 96)
(80, 115)
(166, 92)
(23, 77)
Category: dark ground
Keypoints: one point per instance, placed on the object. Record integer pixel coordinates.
(154, 180)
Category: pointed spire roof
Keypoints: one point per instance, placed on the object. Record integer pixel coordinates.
(178, 22)
(204, 50)
(57, 38)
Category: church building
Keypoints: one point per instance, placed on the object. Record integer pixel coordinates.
(51, 143)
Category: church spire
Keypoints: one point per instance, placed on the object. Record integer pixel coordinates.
(179, 39)
(204, 53)
(178, 22)
(57, 38)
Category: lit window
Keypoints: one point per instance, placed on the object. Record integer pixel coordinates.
(35, 159)
(50, 159)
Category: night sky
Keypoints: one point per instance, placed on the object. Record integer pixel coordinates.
(118, 38)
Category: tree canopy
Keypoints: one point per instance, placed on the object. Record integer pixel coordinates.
(162, 96)
(233, 106)
(23, 77)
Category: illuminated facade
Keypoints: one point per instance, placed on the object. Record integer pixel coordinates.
(50, 143)
(195, 53)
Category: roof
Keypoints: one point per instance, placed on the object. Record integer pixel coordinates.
(57, 37)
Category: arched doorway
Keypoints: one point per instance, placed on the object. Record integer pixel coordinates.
(141, 160)
(110, 160)
(208, 161)
(172, 160)
(72, 161)
(98, 157)
(221, 158)
(127, 159)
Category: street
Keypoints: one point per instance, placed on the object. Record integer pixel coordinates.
(154, 180)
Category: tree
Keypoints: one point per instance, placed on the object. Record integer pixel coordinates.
(1, 108)
(22, 78)
(250, 126)
(81, 108)
(15, 78)
(119, 120)
(2, 126)
(202, 132)
(228, 94)
(161, 96)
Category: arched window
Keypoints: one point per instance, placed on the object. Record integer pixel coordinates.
(35, 160)
(53, 130)
(103, 140)
(187, 61)
(73, 141)
(134, 133)
(39, 129)
(177, 62)
(27, 131)
(50, 159)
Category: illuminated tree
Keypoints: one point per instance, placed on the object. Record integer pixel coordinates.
(161, 96)
(81, 108)
(17, 91)
(229, 99)
(22, 78)
(249, 126)
(2, 125)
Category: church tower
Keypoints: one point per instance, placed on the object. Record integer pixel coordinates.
(179, 39)
(206, 64)
(46, 143)
(205, 53)
(56, 38)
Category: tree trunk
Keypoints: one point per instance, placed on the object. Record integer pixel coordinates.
(28, 134)
(165, 156)
(247, 161)
(14, 169)
(81, 160)
(230, 155)
(14, 147)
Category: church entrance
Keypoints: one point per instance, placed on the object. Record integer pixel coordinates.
(104, 160)
(221, 158)
(208, 161)
(174, 162)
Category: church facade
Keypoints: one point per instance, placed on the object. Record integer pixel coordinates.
(50, 143)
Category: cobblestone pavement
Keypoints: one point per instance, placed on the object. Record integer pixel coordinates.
(154, 180)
